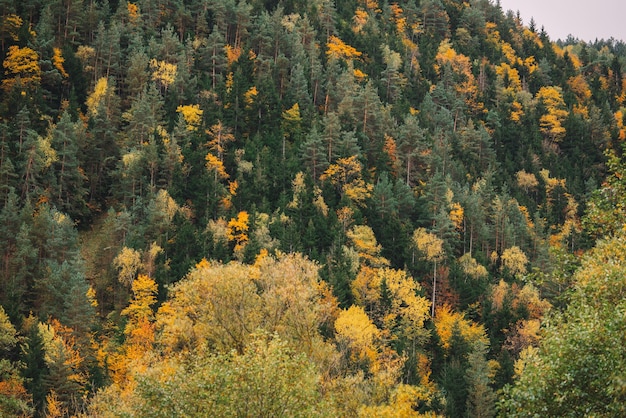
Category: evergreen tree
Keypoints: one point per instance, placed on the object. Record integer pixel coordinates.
(70, 192)
(35, 367)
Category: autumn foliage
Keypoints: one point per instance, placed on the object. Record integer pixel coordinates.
(334, 209)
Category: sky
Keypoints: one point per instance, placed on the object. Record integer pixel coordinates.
(584, 19)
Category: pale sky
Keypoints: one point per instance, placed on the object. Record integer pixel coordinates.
(584, 19)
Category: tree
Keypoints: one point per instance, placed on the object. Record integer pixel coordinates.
(230, 302)
(137, 75)
(70, 192)
(21, 67)
(431, 247)
(238, 231)
(526, 181)
(605, 208)
(393, 80)
(367, 248)
(514, 261)
(337, 49)
(163, 73)
(38, 156)
(313, 155)
(139, 311)
(267, 379)
(219, 137)
(481, 397)
(139, 330)
(128, 262)
(411, 146)
(35, 366)
(346, 176)
(455, 68)
(576, 369)
(14, 399)
(66, 382)
(358, 333)
(551, 122)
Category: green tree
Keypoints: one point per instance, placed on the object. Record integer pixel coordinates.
(481, 397)
(70, 191)
(313, 155)
(35, 367)
(411, 147)
(576, 369)
(605, 208)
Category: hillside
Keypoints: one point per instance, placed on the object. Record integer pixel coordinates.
(381, 208)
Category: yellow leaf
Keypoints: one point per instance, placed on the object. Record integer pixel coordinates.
(21, 68)
(338, 49)
(232, 53)
(58, 60)
(215, 165)
(514, 260)
(250, 95)
(133, 11)
(354, 326)
(99, 92)
(238, 230)
(429, 244)
(163, 72)
(445, 322)
(192, 115)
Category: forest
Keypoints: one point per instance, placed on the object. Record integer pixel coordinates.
(288, 208)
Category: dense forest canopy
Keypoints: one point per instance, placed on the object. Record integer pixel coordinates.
(308, 208)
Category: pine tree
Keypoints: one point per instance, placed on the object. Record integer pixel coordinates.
(313, 155)
(481, 397)
(70, 192)
(35, 369)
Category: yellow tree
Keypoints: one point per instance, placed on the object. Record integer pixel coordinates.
(238, 231)
(140, 326)
(406, 308)
(192, 114)
(222, 306)
(213, 164)
(219, 136)
(356, 331)
(404, 402)
(21, 68)
(163, 73)
(10, 25)
(364, 242)
(514, 261)
(123, 359)
(337, 49)
(128, 262)
(346, 176)
(551, 122)
(295, 301)
(431, 247)
(447, 320)
(58, 60)
(526, 181)
(471, 267)
(216, 306)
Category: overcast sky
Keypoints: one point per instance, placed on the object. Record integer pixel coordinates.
(584, 19)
